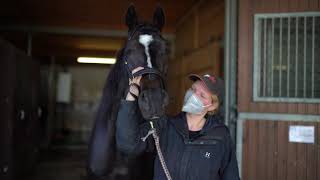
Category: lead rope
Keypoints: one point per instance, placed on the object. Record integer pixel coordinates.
(156, 140)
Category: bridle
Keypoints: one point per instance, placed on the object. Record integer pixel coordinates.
(146, 70)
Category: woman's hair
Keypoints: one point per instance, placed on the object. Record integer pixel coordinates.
(214, 98)
(218, 113)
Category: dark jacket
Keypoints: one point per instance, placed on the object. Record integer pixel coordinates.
(208, 156)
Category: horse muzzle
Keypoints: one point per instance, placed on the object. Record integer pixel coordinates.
(152, 103)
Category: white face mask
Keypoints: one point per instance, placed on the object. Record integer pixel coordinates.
(192, 104)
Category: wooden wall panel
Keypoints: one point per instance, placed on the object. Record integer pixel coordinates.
(291, 159)
(202, 59)
(313, 4)
(311, 160)
(196, 61)
(245, 150)
(198, 48)
(211, 21)
(217, 57)
(247, 9)
(249, 151)
(174, 87)
(268, 154)
(243, 56)
(271, 163)
(293, 5)
(185, 37)
(281, 150)
(262, 151)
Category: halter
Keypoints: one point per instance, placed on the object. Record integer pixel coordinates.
(145, 71)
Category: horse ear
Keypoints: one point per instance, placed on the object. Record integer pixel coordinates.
(158, 18)
(131, 17)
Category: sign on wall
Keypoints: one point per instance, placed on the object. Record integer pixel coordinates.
(64, 87)
(301, 134)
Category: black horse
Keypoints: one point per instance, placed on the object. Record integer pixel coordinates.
(147, 48)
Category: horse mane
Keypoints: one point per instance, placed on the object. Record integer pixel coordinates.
(102, 144)
(114, 88)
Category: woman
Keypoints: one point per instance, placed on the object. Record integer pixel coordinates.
(195, 144)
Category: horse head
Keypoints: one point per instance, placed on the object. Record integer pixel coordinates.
(147, 48)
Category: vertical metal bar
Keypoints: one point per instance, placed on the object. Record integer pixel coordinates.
(239, 144)
(233, 113)
(280, 58)
(265, 57)
(272, 55)
(226, 61)
(258, 52)
(313, 37)
(231, 52)
(305, 58)
(297, 45)
(288, 59)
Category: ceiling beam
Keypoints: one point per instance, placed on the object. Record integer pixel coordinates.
(45, 51)
(72, 31)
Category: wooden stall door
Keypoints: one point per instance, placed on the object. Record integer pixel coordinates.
(268, 154)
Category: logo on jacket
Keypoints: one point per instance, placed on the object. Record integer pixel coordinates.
(207, 155)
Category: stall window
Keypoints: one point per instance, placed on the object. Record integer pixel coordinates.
(287, 57)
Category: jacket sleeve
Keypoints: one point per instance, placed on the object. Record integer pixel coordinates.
(229, 170)
(130, 128)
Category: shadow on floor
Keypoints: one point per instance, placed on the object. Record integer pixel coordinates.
(61, 164)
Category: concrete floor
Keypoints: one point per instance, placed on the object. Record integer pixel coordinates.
(61, 164)
(70, 164)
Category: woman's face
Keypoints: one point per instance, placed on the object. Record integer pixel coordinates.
(201, 91)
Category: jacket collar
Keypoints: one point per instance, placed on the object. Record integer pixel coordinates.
(180, 123)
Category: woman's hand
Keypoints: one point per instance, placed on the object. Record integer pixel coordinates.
(133, 85)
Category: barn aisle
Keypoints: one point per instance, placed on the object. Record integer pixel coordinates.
(61, 164)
